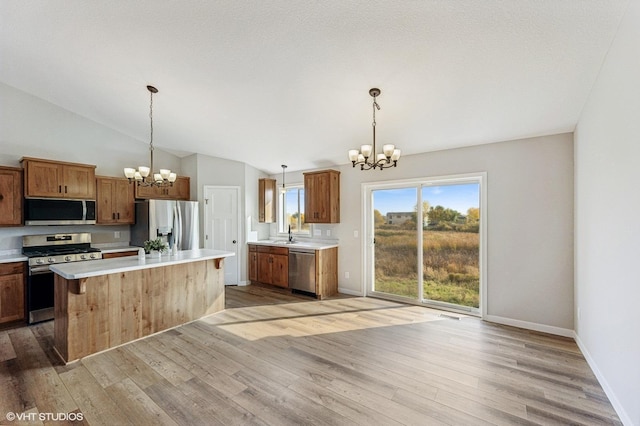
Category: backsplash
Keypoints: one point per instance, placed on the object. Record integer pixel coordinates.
(11, 238)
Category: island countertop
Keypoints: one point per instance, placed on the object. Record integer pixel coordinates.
(94, 268)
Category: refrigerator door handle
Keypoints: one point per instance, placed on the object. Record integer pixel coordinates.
(178, 225)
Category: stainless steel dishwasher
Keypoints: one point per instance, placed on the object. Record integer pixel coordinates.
(302, 269)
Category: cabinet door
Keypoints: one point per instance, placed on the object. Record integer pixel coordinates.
(43, 179)
(266, 200)
(124, 202)
(105, 210)
(12, 296)
(311, 201)
(147, 192)
(10, 197)
(78, 182)
(253, 266)
(322, 197)
(181, 189)
(264, 268)
(280, 270)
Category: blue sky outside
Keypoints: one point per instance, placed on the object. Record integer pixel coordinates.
(459, 197)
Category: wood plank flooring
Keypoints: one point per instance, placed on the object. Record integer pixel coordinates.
(281, 359)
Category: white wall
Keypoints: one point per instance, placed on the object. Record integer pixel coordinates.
(32, 127)
(205, 170)
(530, 224)
(607, 241)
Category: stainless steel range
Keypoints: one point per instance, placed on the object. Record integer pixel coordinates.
(45, 250)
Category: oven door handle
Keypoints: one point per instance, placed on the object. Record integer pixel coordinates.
(38, 270)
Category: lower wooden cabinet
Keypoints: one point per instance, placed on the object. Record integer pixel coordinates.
(253, 263)
(12, 291)
(113, 255)
(269, 265)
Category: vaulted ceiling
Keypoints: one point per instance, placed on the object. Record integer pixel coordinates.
(287, 81)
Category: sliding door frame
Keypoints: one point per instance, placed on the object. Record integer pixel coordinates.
(368, 267)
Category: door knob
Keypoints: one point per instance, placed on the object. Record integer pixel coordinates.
(234, 241)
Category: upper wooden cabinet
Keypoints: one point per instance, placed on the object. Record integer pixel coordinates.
(181, 190)
(266, 200)
(10, 196)
(115, 203)
(322, 197)
(55, 179)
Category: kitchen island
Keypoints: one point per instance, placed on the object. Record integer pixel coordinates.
(101, 304)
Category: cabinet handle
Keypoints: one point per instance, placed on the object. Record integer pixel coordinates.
(65, 189)
(1, 197)
(113, 215)
(118, 214)
(60, 189)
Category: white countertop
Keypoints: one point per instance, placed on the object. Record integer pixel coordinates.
(93, 268)
(296, 244)
(8, 258)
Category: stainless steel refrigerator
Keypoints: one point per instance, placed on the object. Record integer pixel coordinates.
(172, 221)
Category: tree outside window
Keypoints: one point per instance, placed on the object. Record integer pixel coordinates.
(292, 211)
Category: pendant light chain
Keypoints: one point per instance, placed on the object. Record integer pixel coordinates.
(146, 176)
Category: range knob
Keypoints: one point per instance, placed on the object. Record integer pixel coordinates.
(51, 260)
(83, 256)
(38, 261)
(67, 258)
(93, 256)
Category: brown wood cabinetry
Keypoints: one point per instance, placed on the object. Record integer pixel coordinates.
(12, 291)
(266, 200)
(10, 196)
(115, 254)
(273, 265)
(322, 197)
(115, 203)
(180, 190)
(326, 272)
(253, 263)
(55, 179)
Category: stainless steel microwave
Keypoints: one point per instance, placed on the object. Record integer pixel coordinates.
(47, 211)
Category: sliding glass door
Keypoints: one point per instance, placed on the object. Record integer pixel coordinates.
(395, 239)
(425, 242)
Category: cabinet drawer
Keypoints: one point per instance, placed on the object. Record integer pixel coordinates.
(11, 268)
(253, 247)
(273, 250)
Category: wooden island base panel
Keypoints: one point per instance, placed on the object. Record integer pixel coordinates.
(96, 313)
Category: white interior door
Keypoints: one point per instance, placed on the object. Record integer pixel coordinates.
(221, 227)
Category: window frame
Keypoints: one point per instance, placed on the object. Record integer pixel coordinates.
(282, 222)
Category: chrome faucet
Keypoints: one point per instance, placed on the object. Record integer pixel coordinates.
(290, 234)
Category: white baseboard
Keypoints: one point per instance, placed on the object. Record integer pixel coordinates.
(349, 292)
(565, 332)
(624, 417)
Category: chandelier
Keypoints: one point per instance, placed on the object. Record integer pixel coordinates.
(367, 157)
(145, 176)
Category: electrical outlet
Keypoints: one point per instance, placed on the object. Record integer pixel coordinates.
(355, 234)
(346, 275)
(328, 232)
(317, 232)
(116, 234)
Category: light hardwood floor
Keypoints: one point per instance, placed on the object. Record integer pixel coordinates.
(275, 358)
